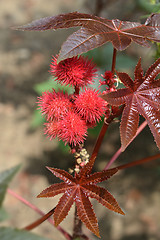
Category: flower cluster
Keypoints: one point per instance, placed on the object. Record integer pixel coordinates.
(69, 116)
(109, 80)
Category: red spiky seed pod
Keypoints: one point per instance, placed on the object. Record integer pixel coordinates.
(75, 71)
(54, 105)
(71, 129)
(52, 129)
(90, 106)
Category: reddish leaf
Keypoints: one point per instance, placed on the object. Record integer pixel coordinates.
(138, 75)
(54, 189)
(152, 116)
(103, 197)
(95, 32)
(141, 96)
(63, 207)
(130, 121)
(86, 213)
(78, 189)
(101, 176)
(62, 174)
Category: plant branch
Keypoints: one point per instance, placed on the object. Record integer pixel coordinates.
(102, 133)
(77, 229)
(39, 221)
(114, 60)
(138, 162)
(108, 121)
(118, 153)
(66, 235)
(32, 206)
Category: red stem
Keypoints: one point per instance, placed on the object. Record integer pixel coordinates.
(114, 60)
(26, 202)
(138, 162)
(109, 120)
(102, 134)
(99, 141)
(77, 89)
(66, 235)
(118, 153)
(39, 221)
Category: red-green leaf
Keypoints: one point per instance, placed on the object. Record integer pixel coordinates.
(78, 189)
(86, 213)
(62, 174)
(103, 197)
(117, 97)
(95, 32)
(152, 116)
(144, 99)
(63, 207)
(54, 190)
(129, 122)
(101, 176)
(126, 80)
(138, 75)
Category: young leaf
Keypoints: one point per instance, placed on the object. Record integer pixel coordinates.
(141, 96)
(5, 177)
(95, 32)
(7, 233)
(78, 189)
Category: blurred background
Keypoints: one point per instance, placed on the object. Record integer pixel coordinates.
(24, 66)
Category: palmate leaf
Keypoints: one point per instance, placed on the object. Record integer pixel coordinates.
(95, 32)
(141, 96)
(79, 189)
(86, 213)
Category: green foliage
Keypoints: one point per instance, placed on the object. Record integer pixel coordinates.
(7, 233)
(149, 6)
(5, 177)
(50, 84)
(64, 148)
(37, 119)
(102, 57)
(3, 214)
(157, 55)
(95, 131)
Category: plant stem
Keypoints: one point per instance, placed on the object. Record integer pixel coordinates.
(77, 229)
(138, 162)
(77, 89)
(102, 134)
(65, 234)
(141, 161)
(114, 60)
(109, 120)
(118, 153)
(99, 141)
(77, 232)
(39, 221)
